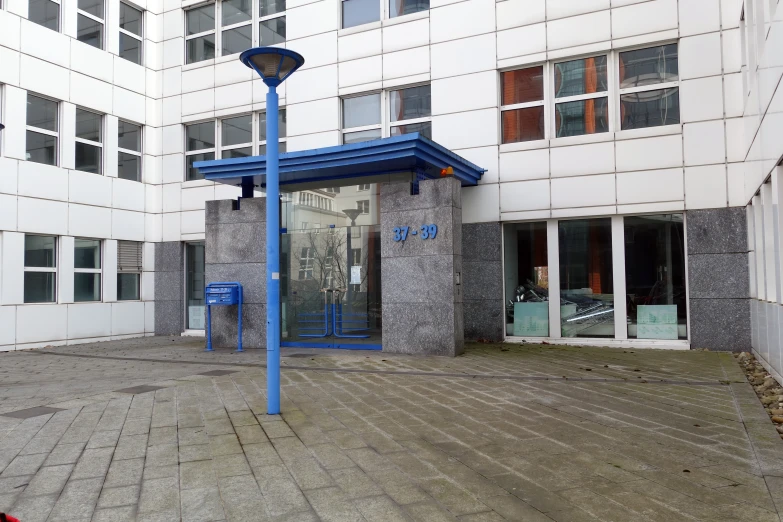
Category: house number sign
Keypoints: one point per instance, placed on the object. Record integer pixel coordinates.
(424, 232)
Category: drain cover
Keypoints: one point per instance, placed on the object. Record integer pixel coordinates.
(31, 412)
(300, 355)
(218, 373)
(139, 389)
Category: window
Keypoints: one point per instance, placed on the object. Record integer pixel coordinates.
(194, 285)
(363, 205)
(40, 269)
(88, 141)
(365, 186)
(200, 146)
(271, 27)
(200, 33)
(410, 110)
(404, 7)
(306, 262)
(237, 28)
(362, 115)
(129, 266)
(42, 130)
(131, 26)
(526, 279)
(281, 131)
(236, 137)
(581, 101)
(89, 22)
(87, 270)
(359, 12)
(522, 105)
(45, 13)
(649, 91)
(129, 151)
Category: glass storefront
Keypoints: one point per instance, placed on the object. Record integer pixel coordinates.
(194, 286)
(526, 280)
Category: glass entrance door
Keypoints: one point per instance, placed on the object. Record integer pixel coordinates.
(331, 287)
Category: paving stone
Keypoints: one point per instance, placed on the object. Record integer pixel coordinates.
(355, 483)
(49, 481)
(159, 495)
(34, 508)
(193, 453)
(118, 514)
(250, 434)
(93, 463)
(77, 500)
(380, 509)
(231, 465)
(201, 505)
(162, 435)
(23, 465)
(242, 499)
(119, 496)
(103, 439)
(309, 474)
(280, 491)
(124, 473)
(224, 445)
(163, 455)
(64, 454)
(429, 512)
(331, 505)
(199, 474)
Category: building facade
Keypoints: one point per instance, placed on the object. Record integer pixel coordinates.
(630, 149)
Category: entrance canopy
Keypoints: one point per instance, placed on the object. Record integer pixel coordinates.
(383, 159)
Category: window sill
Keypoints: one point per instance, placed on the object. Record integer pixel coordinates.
(524, 145)
(198, 65)
(406, 18)
(583, 139)
(664, 130)
(359, 29)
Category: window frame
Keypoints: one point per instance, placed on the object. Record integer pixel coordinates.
(546, 81)
(98, 144)
(282, 139)
(383, 15)
(99, 271)
(137, 272)
(219, 135)
(385, 124)
(139, 153)
(135, 36)
(94, 18)
(213, 31)
(214, 150)
(48, 270)
(55, 134)
(363, 205)
(612, 86)
(59, 16)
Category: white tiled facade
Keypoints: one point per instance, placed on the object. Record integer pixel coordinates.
(717, 156)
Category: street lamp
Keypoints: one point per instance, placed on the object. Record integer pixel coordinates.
(274, 65)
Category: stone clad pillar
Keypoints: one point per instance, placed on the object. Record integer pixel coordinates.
(235, 250)
(422, 291)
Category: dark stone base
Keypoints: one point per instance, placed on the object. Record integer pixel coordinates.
(169, 277)
(721, 324)
(423, 329)
(482, 281)
(169, 318)
(224, 326)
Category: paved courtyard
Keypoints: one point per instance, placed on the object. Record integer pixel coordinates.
(156, 429)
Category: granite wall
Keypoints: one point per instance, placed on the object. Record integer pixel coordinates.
(422, 291)
(718, 279)
(482, 281)
(235, 250)
(169, 281)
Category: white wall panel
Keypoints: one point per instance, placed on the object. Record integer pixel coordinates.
(89, 189)
(649, 153)
(173, 54)
(732, 51)
(649, 186)
(563, 8)
(735, 140)
(705, 187)
(44, 78)
(461, 20)
(90, 93)
(109, 266)
(481, 203)
(9, 72)
(314, 141)
(128, 195)
(593, 158)
(42, 181)
(42, 216)
(41, 323)
(88, 221)
(127, 225)
(700, 56)
(407, 35)
(521, 41)
(198, 79)
(361, 71)
(51, 46)
(451, 130)
(320, 49)
(235, 95)
(9, 170)
(7, 212)
(13, 139)
(93, 62)
(197, 102)
(516, 13)
(127, 318)
(10, 36)
(310, 19)
(583, 191)
(703, 143)
(406, 63)
(194, 198)
(149, 317)
(524, 195)
(65, 262)
(12, 268)
(359, 45)
(315, 116)
(485, 158)
(192, 222)
(172, 168)
(524, 165)
(464, 56)
(701, 99)
(89, 320)
(733, 97)
(579, 30)
(644, 17)
(129, 105)
(699, 16)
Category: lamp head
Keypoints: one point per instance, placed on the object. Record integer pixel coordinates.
(352, 214)
(2, 126)
(273, 64)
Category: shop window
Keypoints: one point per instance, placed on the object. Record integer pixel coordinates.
(87, 270)
(655, 277)
(131, 27)
(129, 266)
(526, 279)
(586, 279)
(200, 33)
(89, 22)
(282, 132)
(40, 269)
(129, 157)
(194, 285)
(200, 146)
(42, 130)
(89, 138)
(581, 101)
(522, 100)
(45, 13)
(649, 91)
(410, 110)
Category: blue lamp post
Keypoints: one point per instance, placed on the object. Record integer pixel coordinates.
(274, 65)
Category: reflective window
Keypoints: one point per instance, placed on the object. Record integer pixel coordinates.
(237, 40)
(87, 270)
(649, 66)
(128, 287)
(649, 92)
(522, 86)
(361, 111)
(356, 137)
(200, 146)
(40, 269)
(194, 285)
(236, 137)
(424, 128)
(200, 19)
(45, 13)
(580, 84)
(282, 130)
(410, 103)
(129, 267)
(358, 12)
(272, 31)
(42, 130)
(270, 7)
(129, 156)
(88, 141)
(201, 48)
(93, 7)
(89, 22)
(522, 99)
(526, 279)
(200, 33)
(404, 7)
(235, 11)
(131, 20)
(581, 117)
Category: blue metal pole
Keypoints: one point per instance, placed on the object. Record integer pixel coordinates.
(239, 325)
(209, 329)
(272, 256)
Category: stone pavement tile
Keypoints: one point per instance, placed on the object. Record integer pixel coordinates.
(380, 509)
(309, 474)
(201, 505)
(192, 453)
(428, 512)
(224, 445)
(402, 489)
(136, 427)
(332, 506)
(355, 483)
(242, 418)
(412, 466)
(455, 499)
(131, 447)
(159, 516)
(301, 516)
(330, 456)
(682, 483)
(157, 472)
(93, 463)
(345, 439)
(251, 434)
(118, 514)
(380, 442)
(535, 495)
(34, 509)
(290, 449)
(159, 495)
(231, 465)
(103, 439)
(601, 507)
(40, 445)
(15, 484)
(487, 516)
(162, 455)
(77, 500)
(471, 481)
(368, 459)
(242, 499)
(198, 474)
(277, 429)
(571, 515)
(7, 500)
(218, 427)
(121, 496)
(162, 435)
(124, 473)
(23, 465)
(111, 422)
(49, 480)
(190, 421)
(194, 435)
(64, 454)
(281, 493)
(512, 508)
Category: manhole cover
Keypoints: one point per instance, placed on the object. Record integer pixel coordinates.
(31, 412)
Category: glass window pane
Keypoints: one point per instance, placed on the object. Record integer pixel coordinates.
(270, 7)
(523, 124)
(193, 172)
(527, 279)
(648, 66)
(130, 19)
(237, 130)
(580, 77)
(88, 158)
(281, 125)
(424, 128)
(586, 284)
(200, 19)
(581, 117)
(41, 113)
(88, 125)
(362, 110)
(283, 148)
(194, 285)
(655, 276)
(242, 152)
(86, 287)
(523, 86)
(356, 137)
(201, 48)
(404, 7)
(45, 13)
(87, 253)
(130, 48)
(200, 135)
(129, 136)
(128, 166)
(89, 31)
(41, 148)
(271, 32)
(358, 12)
(235, 11)
(650, 108)
(237, 40)
(94, 7)
(407, 104)
(39, 287)
(128, 287)
(40, 251)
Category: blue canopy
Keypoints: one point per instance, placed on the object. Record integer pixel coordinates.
(409, 153)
